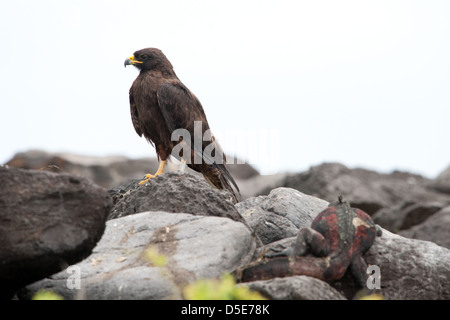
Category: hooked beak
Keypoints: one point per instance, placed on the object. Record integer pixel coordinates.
(131, 60)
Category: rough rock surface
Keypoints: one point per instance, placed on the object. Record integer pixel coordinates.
(113, 171)
(280, 214)
(196, 247)
(176, 192)
(411, 269)
(365, 189)
(435, 229)
(442, 181)
(295, 288)
(406, 215)
(47, 221)
(202, 234)
(260, 185)
(107, 172)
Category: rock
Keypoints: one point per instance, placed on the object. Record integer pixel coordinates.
(113, 171)
(405, 215)
(107, 172)
(176, 192)
(442, 181)
(365, 189)
(435, 229)
(280, 214)
(295, 288)
(411, 269)
(195, 247)
(201, 233)
(47, 221)
(259, 185)
(241, 170)
(120, 192)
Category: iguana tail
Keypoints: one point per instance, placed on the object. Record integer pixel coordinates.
(321, 268)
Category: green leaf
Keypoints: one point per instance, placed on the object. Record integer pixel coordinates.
(46, 295)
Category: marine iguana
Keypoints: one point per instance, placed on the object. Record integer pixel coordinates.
(337, 239)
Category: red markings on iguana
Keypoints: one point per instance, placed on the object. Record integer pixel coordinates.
(337, 239)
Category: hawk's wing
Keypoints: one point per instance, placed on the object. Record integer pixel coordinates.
(180, 109)
(135, 115)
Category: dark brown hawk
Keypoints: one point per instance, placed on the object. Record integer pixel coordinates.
(160, 104)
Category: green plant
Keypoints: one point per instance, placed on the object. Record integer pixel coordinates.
(46, 295)
(224, 288)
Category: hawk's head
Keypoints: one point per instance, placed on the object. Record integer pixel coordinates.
(149, 59)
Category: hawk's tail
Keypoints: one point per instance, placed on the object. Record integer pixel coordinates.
(220, 178)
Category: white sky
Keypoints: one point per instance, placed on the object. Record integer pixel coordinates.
(284, 84)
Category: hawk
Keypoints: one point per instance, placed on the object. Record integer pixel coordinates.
(160, 104)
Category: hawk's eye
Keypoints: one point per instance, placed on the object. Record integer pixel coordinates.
(143, 56)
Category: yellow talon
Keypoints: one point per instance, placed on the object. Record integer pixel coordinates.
(160, 170)
(147, 177)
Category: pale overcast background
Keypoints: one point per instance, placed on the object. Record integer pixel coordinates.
(285, 84)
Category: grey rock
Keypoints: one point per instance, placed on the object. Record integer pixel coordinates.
(112, 171)
(295, 288)
(411, 269)
(176, 192)
(175, 214)
(435, 229)
(405, 215)
(260, 184)
(365, 189)
(195, 247)
(241, 170)
(47, 221)
(120, 192)
(280, 214)
(107, 172)
(442, 181)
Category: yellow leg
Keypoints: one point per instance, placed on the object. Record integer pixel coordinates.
(160, 170)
